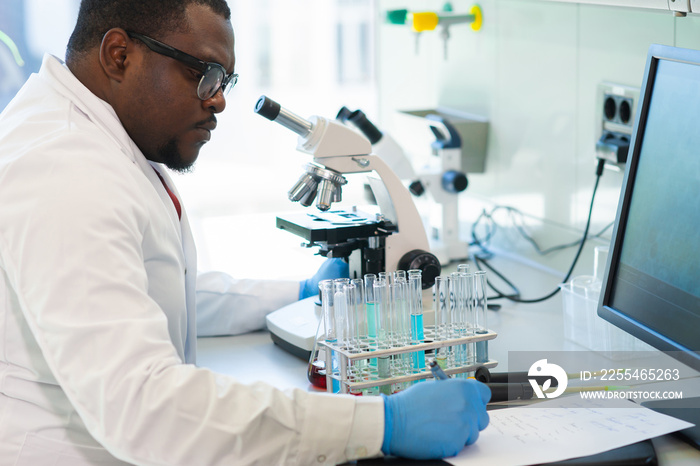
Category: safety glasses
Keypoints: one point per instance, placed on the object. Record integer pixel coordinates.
(214, 76)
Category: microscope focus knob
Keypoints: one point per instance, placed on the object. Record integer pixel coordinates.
(424, 261)
(416, 188)
(454, 181)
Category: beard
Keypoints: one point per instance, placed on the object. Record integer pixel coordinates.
(171, 157)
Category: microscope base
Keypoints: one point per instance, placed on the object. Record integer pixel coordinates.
(293, 327)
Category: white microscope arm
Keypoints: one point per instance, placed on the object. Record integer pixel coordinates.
(394, 200)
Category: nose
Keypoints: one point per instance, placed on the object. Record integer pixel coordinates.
(217, 102)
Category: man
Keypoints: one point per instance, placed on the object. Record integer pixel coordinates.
(97, 300)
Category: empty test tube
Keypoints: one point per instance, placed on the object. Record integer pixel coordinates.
(326, 290)
(441, 306)
(442, 317)
(456, 287)
(351, 339)
(356, 369)
(383, 312)
(400, 312)
(481, 314)
(453, 285)
(399, 275)
(371, 306)
(466, 327)
(341, 312)
(382, 307)
(360, 312)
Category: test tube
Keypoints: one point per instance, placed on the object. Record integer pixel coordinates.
(441, 306)
(456, 287)
(416, 306)
(360, 314)
(467, 309)
(371, 306)
(351, 338)
(415, 282)
(400, 328)
(442, 317)
(341, 312)
(382, 306)
(399, 275)
(401, 317)
(355, 368)
(454, 302)
(362, 366)
(481, 314)
(326, 290)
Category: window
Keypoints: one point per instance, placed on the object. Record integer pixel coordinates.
(312, 56)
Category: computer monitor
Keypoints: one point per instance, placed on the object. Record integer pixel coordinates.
(652, 284)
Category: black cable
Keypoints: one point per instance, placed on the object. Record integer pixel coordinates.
(516, 297)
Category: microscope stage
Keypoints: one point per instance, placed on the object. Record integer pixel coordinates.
(333, 227)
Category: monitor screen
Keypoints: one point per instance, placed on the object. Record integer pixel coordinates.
(652, 284)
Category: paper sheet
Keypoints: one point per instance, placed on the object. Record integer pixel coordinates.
(563, 428)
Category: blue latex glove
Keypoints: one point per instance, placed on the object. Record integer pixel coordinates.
(330, 269)
(434, 419)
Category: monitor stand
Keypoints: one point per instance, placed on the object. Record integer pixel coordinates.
(686, 409)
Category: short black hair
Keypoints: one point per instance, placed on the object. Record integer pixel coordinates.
(150, 17)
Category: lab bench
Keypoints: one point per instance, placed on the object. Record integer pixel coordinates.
(520, 327)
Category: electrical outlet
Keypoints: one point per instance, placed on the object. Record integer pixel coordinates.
(616, 109)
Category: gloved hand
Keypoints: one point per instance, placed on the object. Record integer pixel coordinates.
(330, 269)
(434, 419)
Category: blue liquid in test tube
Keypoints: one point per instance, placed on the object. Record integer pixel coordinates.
(415, 285)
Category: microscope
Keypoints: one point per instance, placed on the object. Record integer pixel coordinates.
(443, 179)
(393, 239)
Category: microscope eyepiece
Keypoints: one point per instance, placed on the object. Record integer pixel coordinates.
(275, 112)
(268, 108)
(361, 122)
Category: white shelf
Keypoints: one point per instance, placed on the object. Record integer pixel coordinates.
(677, 6)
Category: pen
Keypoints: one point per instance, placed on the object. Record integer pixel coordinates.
(437, 371)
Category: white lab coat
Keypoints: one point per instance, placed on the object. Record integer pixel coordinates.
(97, 312)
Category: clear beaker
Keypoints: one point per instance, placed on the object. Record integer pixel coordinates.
(317, 369)
(316, 372)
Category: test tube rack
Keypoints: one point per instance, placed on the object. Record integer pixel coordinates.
(345, 356)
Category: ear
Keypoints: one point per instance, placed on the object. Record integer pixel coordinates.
(115, 49)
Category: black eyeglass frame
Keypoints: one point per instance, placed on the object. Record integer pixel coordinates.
(228, 81)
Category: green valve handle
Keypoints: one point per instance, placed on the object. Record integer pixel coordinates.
(396, 16)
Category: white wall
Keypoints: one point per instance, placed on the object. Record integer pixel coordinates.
(533, 70)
